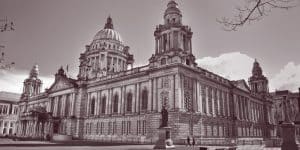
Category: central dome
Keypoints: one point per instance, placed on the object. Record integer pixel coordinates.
(108, 33)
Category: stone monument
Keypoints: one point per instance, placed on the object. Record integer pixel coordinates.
(288, 130)
(164, 132)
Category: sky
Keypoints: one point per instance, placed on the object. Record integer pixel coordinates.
(53, 33)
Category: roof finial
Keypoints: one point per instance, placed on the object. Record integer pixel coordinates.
(109, 23)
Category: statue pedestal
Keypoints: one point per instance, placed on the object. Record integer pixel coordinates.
(164, 139)
(288, 137)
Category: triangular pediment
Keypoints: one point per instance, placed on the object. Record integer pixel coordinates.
(241, 84)
(61, 84)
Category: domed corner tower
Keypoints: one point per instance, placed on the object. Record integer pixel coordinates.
(173, 41)
(32, 85)
(107, 54)
(258, 82)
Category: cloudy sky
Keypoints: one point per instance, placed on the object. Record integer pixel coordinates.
(53, 33)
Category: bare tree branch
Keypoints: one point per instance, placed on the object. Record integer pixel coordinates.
(254, 10)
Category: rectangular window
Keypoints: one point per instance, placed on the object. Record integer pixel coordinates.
(86, 128)
(123, 127)
(97, 128)
(128, 127)
(91, 126)
(109, 128)
(114, 126)
(144, 127)
(137, 127)
(101, 127)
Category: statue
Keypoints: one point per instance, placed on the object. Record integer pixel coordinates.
(164, 116)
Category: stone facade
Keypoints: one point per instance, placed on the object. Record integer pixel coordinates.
(8, 113)
(113, 102)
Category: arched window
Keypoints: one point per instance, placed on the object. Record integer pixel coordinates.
(93, 106)
(144, 99)
(116, 103)
(103, 105)
(129, 102)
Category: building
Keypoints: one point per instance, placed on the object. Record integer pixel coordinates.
(112, 101)
(8, 113)
(292, 100)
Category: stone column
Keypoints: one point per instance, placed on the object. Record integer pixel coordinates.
(154, 94)
(122, 103)
(150, 96)
(177, 92)
(194, 96)
(181, 86)
(206, 100)
(137, 98)
(199, 97)
(213, 101)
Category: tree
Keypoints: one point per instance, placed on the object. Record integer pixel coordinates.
(254, 10)
(3, 64)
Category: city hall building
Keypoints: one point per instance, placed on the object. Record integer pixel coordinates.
(8, 113)
(111, 101)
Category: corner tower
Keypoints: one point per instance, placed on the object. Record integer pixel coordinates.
(258, 82)
(32, 85)
(173, 41)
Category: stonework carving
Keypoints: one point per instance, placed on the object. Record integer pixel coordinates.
(166, 82)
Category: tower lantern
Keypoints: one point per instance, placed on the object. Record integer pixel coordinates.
(173, 40)
(258, 82)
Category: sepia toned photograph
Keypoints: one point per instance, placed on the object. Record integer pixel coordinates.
(149, 74)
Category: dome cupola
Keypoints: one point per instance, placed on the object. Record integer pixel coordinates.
(106, 54)
(172, 14)
(108, 34)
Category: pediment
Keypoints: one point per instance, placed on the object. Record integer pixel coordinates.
(61, 84)
(241, 84)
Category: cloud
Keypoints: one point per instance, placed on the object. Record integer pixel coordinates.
(12, 80)
(233, 66)
(287, 78)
